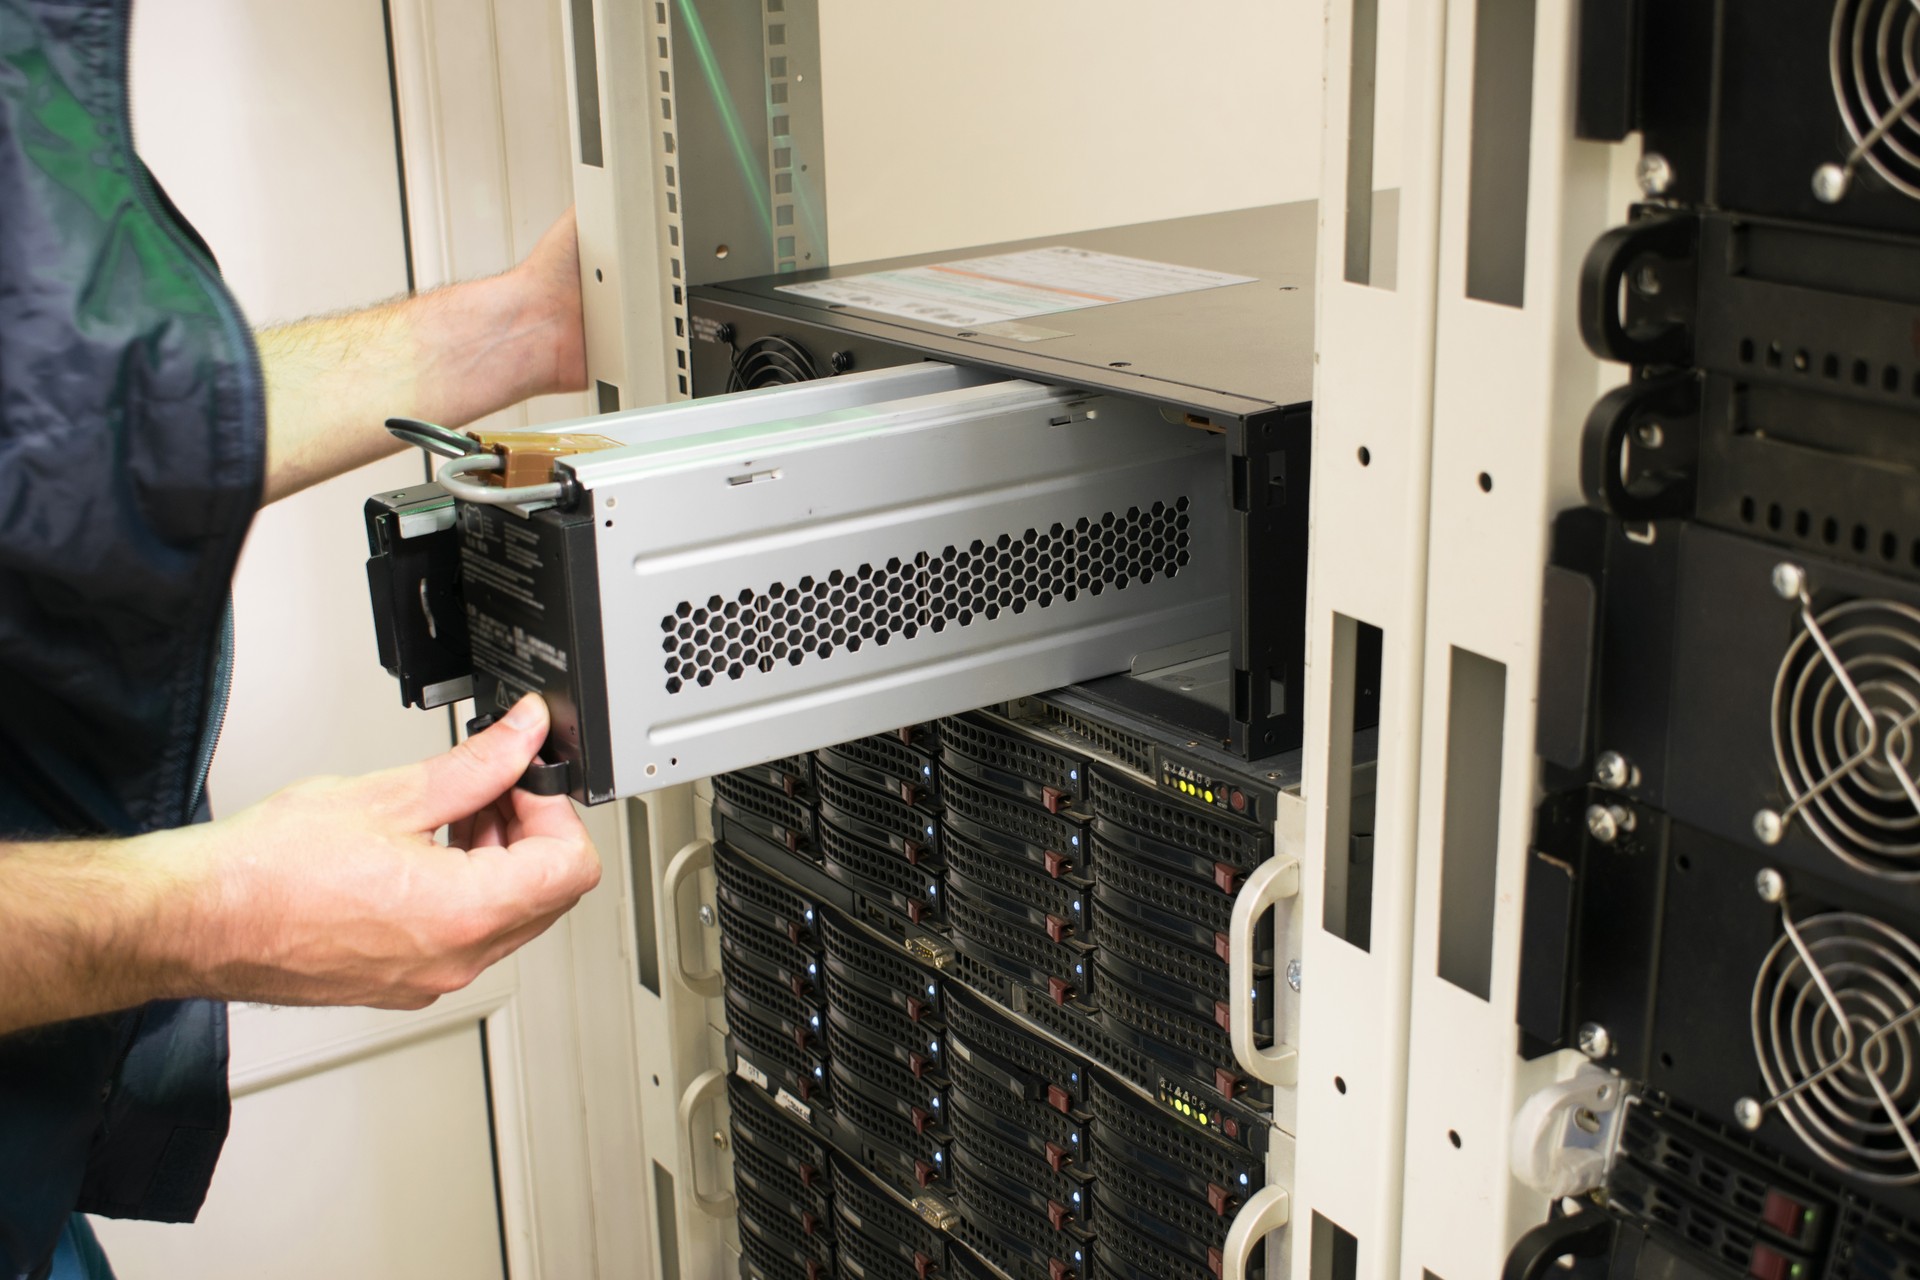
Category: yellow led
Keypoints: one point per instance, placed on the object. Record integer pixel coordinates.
(1203, 1117)
(1209, 797)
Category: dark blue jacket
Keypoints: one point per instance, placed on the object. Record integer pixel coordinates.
(132, 443)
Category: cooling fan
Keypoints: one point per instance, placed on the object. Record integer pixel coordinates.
(1846, 714)
(1874, 62)
(1836, 1028)
(772, 361)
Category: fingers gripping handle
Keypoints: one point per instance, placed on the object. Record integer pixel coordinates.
(704, 1090)
(696, 857)
(1268, 1211)
(1272, 882)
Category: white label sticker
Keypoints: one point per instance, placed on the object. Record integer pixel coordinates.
(1011, 286)
(794, 1105)
(747, 1071)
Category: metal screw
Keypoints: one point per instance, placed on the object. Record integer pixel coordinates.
(1650, 435)
(706, 915)
(1293, 975)
(1606, 822)
(1830, 183)
(1654, 174)
(1748, 1113)
(1770, 885)
(1594, 1040)
(1789, 580)
(1614, 770)
(719, 1140)
(1769, 826)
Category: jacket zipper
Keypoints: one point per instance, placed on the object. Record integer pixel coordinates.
(254, 392)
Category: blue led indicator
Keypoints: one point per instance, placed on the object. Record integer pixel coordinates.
(1243, 1179)
(926, 770)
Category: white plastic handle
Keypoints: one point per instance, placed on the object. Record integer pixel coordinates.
(1268, 1211)
(693, 859)
(1272, 882)
(715, 1204)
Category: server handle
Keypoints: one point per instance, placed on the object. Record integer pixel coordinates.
(705, 1088)
(1268, 1211)
(696, 857)
(1272, 882)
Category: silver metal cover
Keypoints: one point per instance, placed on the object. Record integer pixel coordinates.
(775, 588)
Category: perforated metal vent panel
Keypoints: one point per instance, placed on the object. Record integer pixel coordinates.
(753, 630)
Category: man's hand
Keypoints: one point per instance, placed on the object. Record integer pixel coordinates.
(333, 891)
(449, 356)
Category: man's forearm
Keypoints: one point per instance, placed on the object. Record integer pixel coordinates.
(449, 356)
(89, 926)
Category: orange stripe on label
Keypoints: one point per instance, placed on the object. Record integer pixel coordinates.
(1026, 284)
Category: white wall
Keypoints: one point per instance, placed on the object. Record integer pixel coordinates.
(960, 124)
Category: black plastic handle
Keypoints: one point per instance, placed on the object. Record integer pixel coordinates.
(1670, 236)
(1583, 1235)
(1669, 405)
(542, 778)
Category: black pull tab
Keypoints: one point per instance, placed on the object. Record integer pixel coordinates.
(543, 779)
(1653, 257)
(1584, 1236)
(1640, 448)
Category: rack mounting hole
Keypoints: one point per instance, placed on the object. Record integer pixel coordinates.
(1365, 455)
(1453, 1136)
(1340, 1084)
(1486, 482)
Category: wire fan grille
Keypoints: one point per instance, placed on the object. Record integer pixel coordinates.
(1846, 716)
(817, 617)
(1834, 1026)
(1874, 59)
(772, 361)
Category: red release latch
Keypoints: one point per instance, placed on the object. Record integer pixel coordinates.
(1058, 1214)
(1223, 1016)
(1057, 864)
(916, 1008)
(794, 934)
(1768, 1263)
(922, 1120)
(912, 850)
(1060, 989)
(1058, 1157)
(923, 1266)
(789, 784)
(916, 911)
(1058, 929)
(806, 1089)
(1057, 1099)
(1227, 1084)
(1226, 877)
(1217, 1197)
(1054, 799)
(1216, 1263)
(909, 794)
(918, 1064)
(793, 842)
(1058, 1270)
(1783, 1213)
(808, 1176)
(815, 1271)
(1223, 947)
(801, 987)
(809, 1223)
(800, 1037)
(924, 1173)
(905, 735)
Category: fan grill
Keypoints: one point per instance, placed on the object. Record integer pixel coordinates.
(1834, 1015)
(1846, 719)
(1874, 61)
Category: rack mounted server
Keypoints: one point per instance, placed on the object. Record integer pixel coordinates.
(887, 521)
(1721, 910)
(985, 968)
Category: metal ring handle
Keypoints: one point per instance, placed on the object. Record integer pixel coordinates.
(706, 1086)
(1269, 1210)
(1272, 882)
(696, 857)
